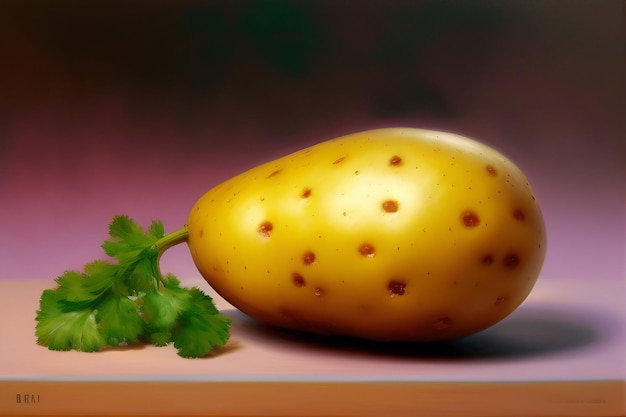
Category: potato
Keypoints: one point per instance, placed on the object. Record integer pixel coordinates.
(394, 234)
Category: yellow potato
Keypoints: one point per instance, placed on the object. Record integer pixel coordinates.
(392, 234)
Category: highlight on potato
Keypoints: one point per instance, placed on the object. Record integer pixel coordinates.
(395, 234)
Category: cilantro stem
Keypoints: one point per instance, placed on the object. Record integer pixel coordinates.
(166, 242)
(171, 239)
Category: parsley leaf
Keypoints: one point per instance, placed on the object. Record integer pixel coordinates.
(129, 301)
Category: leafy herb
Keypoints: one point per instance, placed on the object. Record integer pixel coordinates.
(127, 302)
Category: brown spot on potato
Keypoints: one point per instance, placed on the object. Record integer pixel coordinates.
(443, 323)
(339, 160)
(511, 261)
(274, 173)
(298, 280)
(306, 193)
(367, 250)
(499, 301)
(470, 219)
(487, 260)
(396, 287)
(390, 206)
(201, 233)
(395, 160)
(265, 229)
(518, 215)
(491, 170)
(308, 258)
(319, 292)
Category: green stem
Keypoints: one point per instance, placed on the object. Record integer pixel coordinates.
(166, 242)
(171, 239)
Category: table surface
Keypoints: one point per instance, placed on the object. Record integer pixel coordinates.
(565, 331)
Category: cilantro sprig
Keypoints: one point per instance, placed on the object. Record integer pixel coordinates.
(129, 301)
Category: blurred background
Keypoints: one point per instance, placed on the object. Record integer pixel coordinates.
(140, 107)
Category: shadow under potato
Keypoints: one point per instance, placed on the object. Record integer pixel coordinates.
(528, 332)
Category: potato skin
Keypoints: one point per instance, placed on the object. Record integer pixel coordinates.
(395, 234)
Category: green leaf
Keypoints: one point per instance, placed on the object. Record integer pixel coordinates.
(160, 338)
(119, 320)
(128, 240)
(171, 282)
(141, 276)
(129, 301)
(86, 287)
(156, 229)
(201, 327)
(160, 311)
(124, 228)
(200, 333)
(202, 302)
(61, 330)
(73, 291)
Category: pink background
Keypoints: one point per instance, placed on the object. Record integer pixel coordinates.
(141, 109)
